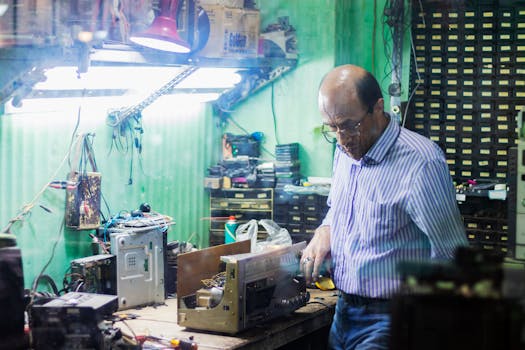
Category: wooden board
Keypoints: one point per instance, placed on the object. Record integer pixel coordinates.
(161, 321)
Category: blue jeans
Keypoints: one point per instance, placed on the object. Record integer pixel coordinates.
(360, 324)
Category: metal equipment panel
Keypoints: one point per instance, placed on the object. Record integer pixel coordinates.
(140, 266)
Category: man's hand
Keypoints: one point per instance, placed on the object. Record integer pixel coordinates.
(316, 254)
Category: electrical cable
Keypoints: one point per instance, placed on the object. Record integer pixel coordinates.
(274, 116)
(75, 130)
(413, 49)
(130, 180)
(391, 13)
(422, 17)
(27, 208)
(247, 133)
(130, 329)
(33, 290)
(386, 47)
(47, 279)
(88, 154)
(387, 28)
(374, 29)
(79, 286)
(60, 232)
(106, 204)
(389, 20)
(239, 126)
(74, 279)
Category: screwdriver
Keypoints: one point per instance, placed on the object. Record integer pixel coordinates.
(183, 344)
(174, 343)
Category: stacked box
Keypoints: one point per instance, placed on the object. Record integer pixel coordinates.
(234, 32)
(300, 214)
(287, 165)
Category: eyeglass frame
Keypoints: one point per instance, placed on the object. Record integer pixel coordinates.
(350, 131)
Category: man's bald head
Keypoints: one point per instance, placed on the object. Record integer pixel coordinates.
(352, 106)
(347, 81)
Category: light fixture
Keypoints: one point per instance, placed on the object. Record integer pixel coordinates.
(61, 88)
(3, 9)
(163, 34)
(212, 78)
(134, 78)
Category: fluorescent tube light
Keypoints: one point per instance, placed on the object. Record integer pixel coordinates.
(135, 78)
(3, 9)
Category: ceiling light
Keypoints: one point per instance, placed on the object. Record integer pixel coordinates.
(62, 88)
(211, 78)
(3, 9)
(100, 77)
(163, 34)
(68, 106)
(182, 101)
(138, 78)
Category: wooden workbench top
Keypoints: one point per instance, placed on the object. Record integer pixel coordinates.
(161, 321)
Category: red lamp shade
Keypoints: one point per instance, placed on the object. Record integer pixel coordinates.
(162, 34)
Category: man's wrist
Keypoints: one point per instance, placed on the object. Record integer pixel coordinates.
(323, 229)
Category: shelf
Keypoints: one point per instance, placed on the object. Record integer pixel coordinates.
(258, 71)
(239, 202)
(125, 54)
(490, 194)
(28, 62)
(490, 190)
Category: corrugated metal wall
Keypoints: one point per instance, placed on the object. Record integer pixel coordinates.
(178, 146)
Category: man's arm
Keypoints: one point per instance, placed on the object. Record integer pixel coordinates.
(434, 209)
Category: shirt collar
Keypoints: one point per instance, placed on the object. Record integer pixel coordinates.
(380, 148)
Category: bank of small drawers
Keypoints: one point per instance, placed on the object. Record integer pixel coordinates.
(243, 203)
(468, 85)
(300, 214)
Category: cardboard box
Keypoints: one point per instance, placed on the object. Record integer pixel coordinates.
(278, 43)
(213, 182)
(233, 32)
(227, 3)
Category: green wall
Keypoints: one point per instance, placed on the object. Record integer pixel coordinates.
(329, 33)
(180, 143)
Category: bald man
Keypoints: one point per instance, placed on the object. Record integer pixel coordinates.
(392, 199)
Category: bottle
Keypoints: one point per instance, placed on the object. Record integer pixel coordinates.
(94, 244)
(229, 229)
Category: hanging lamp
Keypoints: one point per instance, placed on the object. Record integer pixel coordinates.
(163, 34)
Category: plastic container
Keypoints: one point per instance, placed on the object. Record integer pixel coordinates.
(229, 229)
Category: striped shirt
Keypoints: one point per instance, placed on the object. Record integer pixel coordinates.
(397, 203)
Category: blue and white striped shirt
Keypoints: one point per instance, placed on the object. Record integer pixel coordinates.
(395, 204)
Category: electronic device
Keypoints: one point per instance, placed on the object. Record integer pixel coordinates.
(94, 274)
(257, 287)
(464, 304)
(516, 197)
(139, 246)
(73, 321)
(12, 301)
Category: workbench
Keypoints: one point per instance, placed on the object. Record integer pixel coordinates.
(306, 328)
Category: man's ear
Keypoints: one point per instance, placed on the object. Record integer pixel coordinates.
(380, 105)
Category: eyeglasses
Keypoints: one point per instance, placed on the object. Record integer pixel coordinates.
(348, 128)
